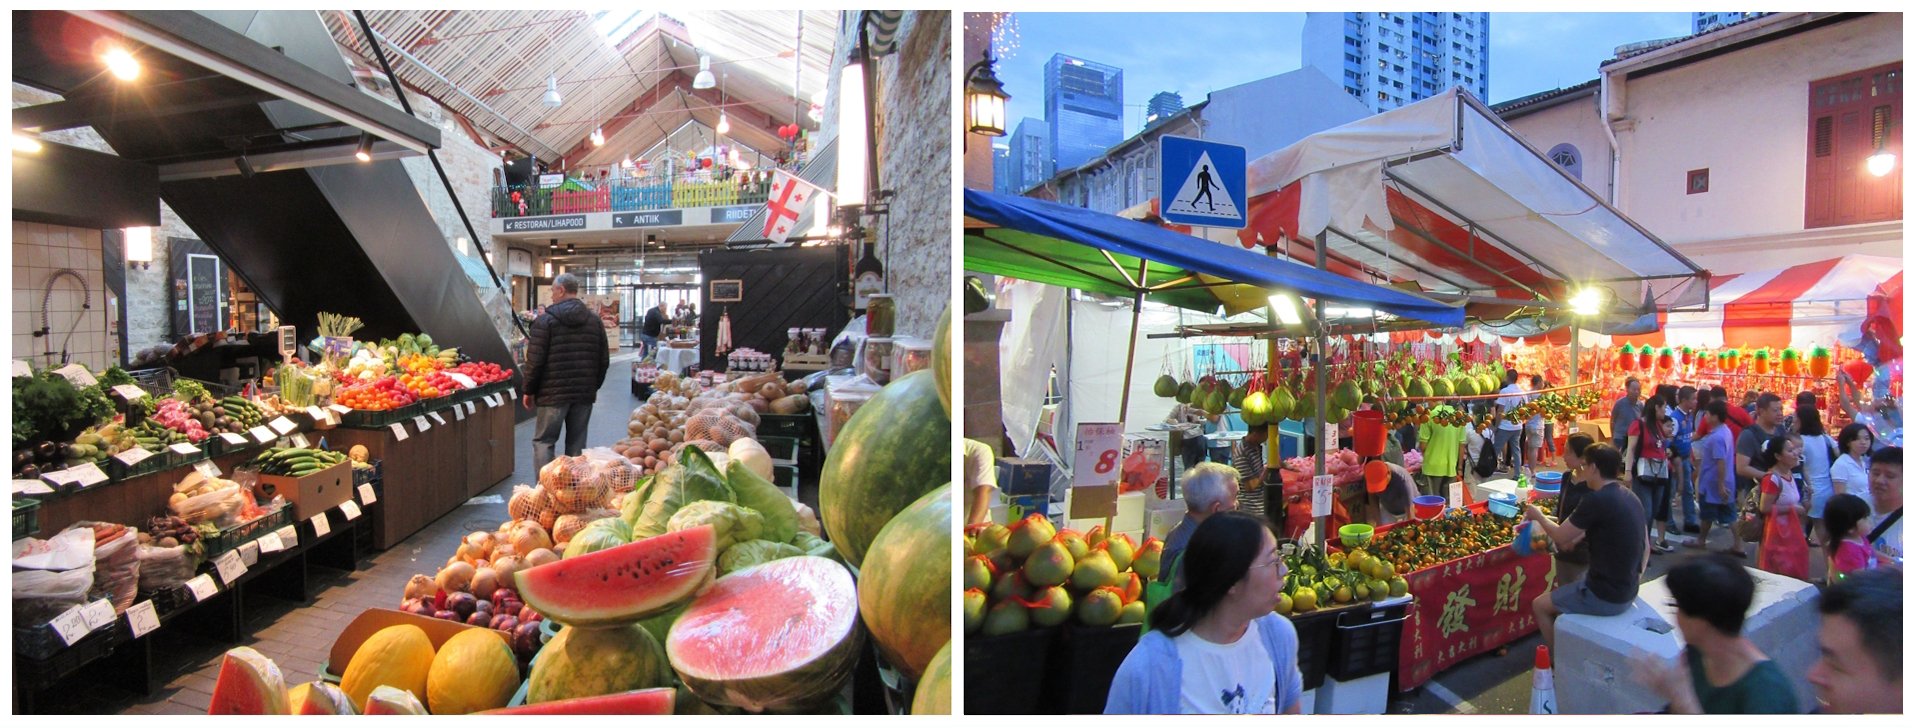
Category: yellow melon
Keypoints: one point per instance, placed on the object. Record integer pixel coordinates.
(399, 656)
(473, 671)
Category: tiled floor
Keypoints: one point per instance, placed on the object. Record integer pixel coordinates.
(299, 636)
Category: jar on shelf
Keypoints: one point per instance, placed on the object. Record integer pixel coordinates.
(881, 315)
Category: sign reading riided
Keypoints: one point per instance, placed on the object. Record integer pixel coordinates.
(651, 218)
(734, 213)
(538, 224)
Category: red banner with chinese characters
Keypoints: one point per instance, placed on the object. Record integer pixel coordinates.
(1469, 606)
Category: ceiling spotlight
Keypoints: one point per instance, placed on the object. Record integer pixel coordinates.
(25, 143)
(551, 97)
(705, 79)
(597, 137)
(364, 153)
(121, 63)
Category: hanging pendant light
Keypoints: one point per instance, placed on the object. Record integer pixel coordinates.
(723, 117)
(723, 123)
(551, 97)
(597, 137)
(705, 79)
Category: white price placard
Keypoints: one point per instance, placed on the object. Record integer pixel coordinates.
(207, 468)
(513, 392)
(77, 374)
(1333, 437)
(350, 509)
(21, 368)
(1323, 495)
(283, 425)
(87, 474)
(270, 543)
(71, 624)
(133, 456)
(98, 614)
(182, 448)
(229, 566)
(142, 618)
(1098, 454)
(419, 423)
(263, 434)
(458, 411)
(339, 408)
(471, 408)
(321, 526)
(398, 431)
(30, 487)
(288, 536)
(202, 587)
(436, 418)
(368, 494)
(233, 438)
(130, 392)
(315, 413)
(298, 440)
(462, 380)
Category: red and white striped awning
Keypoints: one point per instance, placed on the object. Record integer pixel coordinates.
(1806, 305)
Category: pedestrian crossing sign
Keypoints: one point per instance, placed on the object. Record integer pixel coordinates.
(1203, 182)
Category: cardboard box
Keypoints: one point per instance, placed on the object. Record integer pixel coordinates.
(1601, 429)
(312, 494)
(370, 621)
(1023, 476)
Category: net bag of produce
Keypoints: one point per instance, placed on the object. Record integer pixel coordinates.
(527, 502)
(617, 471)
(573, 485)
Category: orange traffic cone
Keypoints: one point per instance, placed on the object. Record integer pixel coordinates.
(1542, 700)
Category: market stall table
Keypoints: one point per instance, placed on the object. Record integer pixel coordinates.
(677, 360)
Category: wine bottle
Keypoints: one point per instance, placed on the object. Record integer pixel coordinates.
(869, 272)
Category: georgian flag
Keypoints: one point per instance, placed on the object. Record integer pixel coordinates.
(790, 196)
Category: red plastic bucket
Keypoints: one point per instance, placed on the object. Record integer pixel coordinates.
(1370, 433)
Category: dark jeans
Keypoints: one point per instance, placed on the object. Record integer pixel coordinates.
(1194, 451)
(573, 418)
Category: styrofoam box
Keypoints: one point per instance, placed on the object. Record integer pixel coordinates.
(1361, 696)
(1129, 514)
(1591, 675)
(1165, 516)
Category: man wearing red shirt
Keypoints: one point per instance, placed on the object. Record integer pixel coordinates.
(1736, 418)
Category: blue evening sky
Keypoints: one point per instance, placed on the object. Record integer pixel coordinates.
(1194, 53)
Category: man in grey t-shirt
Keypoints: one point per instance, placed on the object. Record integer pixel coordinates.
(1753, 438)
(1625, 412)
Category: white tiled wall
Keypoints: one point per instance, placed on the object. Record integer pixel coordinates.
(38, 251)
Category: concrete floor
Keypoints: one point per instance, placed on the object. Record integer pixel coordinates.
(299, 636)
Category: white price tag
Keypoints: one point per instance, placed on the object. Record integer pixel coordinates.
(1323, 493)
(71, 625)
(367, 494)
(1573, 429)
(283, 425)
(1098, 454)
(207, 468)
(288, 536)
(88, 474)
(97, 614)
(315, 413)
(436, 418)
(491, 401)
(229, 566)
(471, 408)
(1333, 437)
(21, 368)
(398, 431)
(131, 392)
(183, 448)
(233, 438)
(419, 423)
(77, 374)
(270, 543)
(458, 411)
(262, 434)
(320, 526)
(513, 392)
(350, 509)
(142, 618)
(30, 487)
(298, 440)
(462, 380)
(341, 409)
(202, 587)
(133, 456)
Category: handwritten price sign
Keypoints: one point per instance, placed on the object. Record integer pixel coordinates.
(1098, 454)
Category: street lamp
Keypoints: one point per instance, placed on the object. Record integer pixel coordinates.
(985, 98)
(1882, 161)
(1588, 302)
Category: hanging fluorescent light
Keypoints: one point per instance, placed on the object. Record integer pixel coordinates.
(121, 63)
(705, 79)
(597, 137)
(139, 245)
(364, 153)
(26, 143)
(853, 135)
(723, 123)
(551, 97)
(1287, 309)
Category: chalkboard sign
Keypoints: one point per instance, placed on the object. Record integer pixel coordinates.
(202, 293)
(728, 291)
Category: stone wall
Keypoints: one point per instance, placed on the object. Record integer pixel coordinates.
(913, 140)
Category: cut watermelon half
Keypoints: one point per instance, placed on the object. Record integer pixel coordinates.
(249, 684)
(623, 584)
(777, 636)
(651, 701)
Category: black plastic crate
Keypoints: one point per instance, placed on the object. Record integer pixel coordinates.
(1004, 675)
(1085, 663)
(230, 537)
(1367, 642)
(1315, 636)
(374, 474)
(773, 425)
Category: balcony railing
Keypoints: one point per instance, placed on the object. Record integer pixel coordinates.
(630, 194)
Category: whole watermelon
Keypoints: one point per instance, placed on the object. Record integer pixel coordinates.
(892, 451)
(932, 692)
(582, 662)
(903, 595)
(939, 359)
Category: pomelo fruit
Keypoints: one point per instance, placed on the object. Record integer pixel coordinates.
(1011, 584)
(1095, 570)
(249, 684)
(988, 536)
(1072, 540)
(473, 671)
(1050, 607)
(1032, 531)
(623, 584)
(1166, 386)
(649, 701)
(903, 595)
(1148, 558)
(1049, 565)
(1121, 549)
(776, 636)
(1132, 613)
(1100, 608)
(582, 662)
(974, 604)
(892, 451)
(978, 573)
(399, 656)
(932, 692)
(1006, 617)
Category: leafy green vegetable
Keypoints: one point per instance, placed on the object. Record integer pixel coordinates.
(48, 404)
(779, 514)
(693, 478)
(95, 406)
(751, 553)
(189, 391)
(115, 376)
(598, 535)
(733, 523)
(811, 544)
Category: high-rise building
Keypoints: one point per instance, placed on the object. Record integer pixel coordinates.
(1082, 101)
(1388, 60)
(1162, 106)
(1030, 158)
(1703, 22)
(999, 167)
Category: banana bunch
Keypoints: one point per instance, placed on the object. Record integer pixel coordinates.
(447, 357)
(295, 462)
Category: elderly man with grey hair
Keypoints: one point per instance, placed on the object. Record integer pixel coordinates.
(566, 358)
(1207, 489)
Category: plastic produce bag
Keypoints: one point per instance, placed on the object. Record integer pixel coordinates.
(164, 568)
(220, 507)
(70, 549)
(39, 596)
(116, 568)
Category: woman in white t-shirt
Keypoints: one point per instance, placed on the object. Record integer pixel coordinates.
(1819, 453)
(1849, 473)
(1216, 646)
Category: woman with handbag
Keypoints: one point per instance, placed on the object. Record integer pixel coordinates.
(1648, 442)
(1783, 549)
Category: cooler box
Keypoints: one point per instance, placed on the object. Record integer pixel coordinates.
(1164, 516)
(1130, 515)
(312, 494)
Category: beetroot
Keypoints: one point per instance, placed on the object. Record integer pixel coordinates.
(504, 623)
(479, 619)
(484, 605)
(463, 603)
(447, 615)
(504, 594)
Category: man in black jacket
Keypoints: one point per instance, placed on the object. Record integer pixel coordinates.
(652, 329)
(565, 362)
